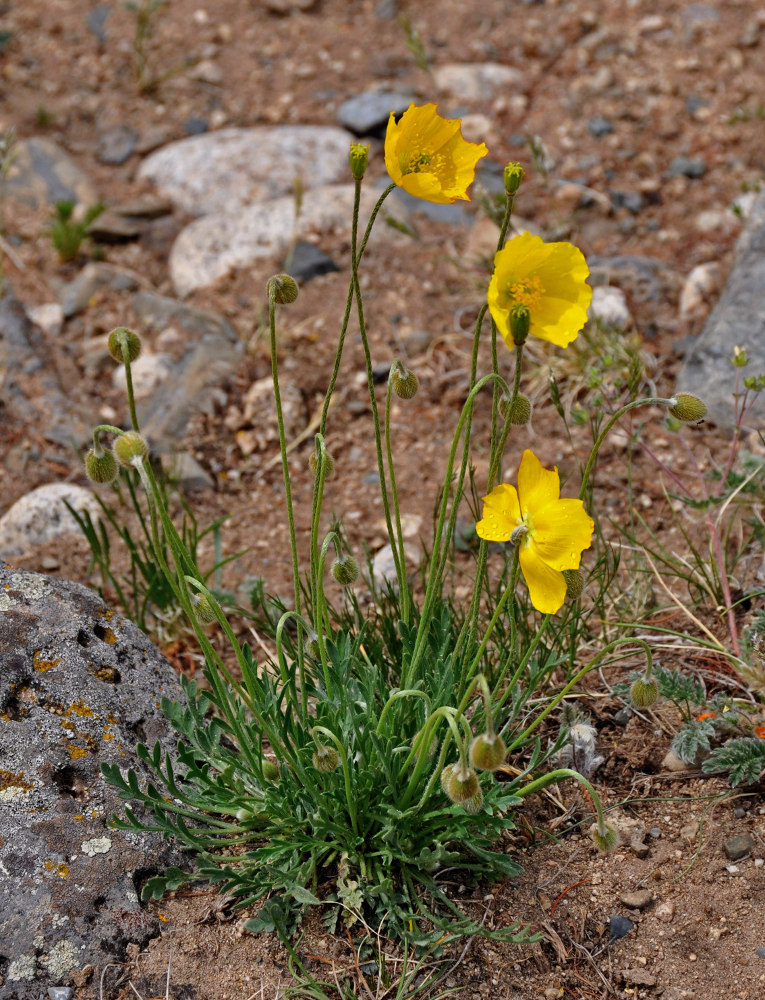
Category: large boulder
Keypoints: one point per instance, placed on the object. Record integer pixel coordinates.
(79, 685)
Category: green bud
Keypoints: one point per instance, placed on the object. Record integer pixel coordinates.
(513, 176)
(345, 571)
(487, 752)
(203, 609)
(644, 692)
(404, 382)
(463, 784)
(574, 583)
(329, 464)
(359, 158)
(270, 769)
(520, 321)
(604, 836)
(688, 408)
(739, 359)
(130, 448)
(446, 777)
(517, 411)
(282, 288)
(325, 759)
(120, 340)
(101, 466)
(474, 803)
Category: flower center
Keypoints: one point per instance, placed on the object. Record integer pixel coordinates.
(417, 163)
(525, 291)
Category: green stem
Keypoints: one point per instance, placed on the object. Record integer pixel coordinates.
(349, 797)
(554, 776)
(399, 539)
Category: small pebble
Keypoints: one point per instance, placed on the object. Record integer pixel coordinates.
(760, 953)
(618, 926)
(739, 812)
(639, 849)
(687, 166)
(59, 992)
(637, 900)
(665, 911)
(654, 833)
(738, 847)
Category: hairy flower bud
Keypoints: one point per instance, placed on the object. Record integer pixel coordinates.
(513, 175)
(644, 692)
(487, 752)
(130, 448)
(404, 382)
(203, 609)
(520, 321)
(325, 759)
(574, 583)
(101, 466)
(345, 571)
(517, 411)
(282, 288)
(446, 777)
(120, 340)
(329, 464)
(270, 769)
(688, 408)
(474, 803)
(359, 159)
(604, 836)
(463, 784)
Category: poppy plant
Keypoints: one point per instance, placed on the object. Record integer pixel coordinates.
(551, 532)
(547, 278)
(426, 155)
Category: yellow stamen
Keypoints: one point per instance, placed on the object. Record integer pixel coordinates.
(526, 291)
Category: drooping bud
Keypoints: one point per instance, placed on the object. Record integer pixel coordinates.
(122, 341)
(359, 159)
(404, 382)
(644, 692)
(345, 571)
(574, 583)
(463, 784)
(130, 448)
(101, 466)
(513, 175)
(282, 288)
(474, 803)
(329, 464)
(688, 408)
(520, 321)
(325, 759)
(604, 836)
(517, 411)
(487, 752)
(446, 777)
(203, 609)
(270, 769)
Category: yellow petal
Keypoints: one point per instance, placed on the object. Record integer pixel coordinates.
(547, 586)
(501, 514)
(537, 486)
(425, 186)
(562, 530)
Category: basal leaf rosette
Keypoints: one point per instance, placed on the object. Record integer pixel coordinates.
(548, 278)
(426, 155)
(554, 531)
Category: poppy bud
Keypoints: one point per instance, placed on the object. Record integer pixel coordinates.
(325, 759)
(329, 464)
(474, 803)
(574, 583)
(345, 571)
(517, 411)
(405, 383)
(123, 341)
(644, 692)
(688, 408)
(282, 288)
(463, 784)
(520, 321)
(130, 448)
(513, 176)
(605, 837)
(487, 752)
(101, 466)
(359, 158)
(203, 609)
(270, 770)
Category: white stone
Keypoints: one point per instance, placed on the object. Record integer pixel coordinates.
(475, 81)
(49, 317)
(384, 567)
(700, 287)
(227, 170)
(40, 517)
(609, 307)
(148, 372)
(211, 247)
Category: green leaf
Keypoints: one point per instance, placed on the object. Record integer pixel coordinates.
(743, 758)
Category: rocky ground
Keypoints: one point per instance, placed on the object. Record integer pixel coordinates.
(649, 118)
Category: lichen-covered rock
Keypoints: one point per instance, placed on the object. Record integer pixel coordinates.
(79, 685)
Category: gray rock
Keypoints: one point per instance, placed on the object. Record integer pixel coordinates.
(76, 295)
(643, 278)
(42, 174)
(309, 261)
(194, 125)
(639, 849)
(111, 227)
(96, 20)
(49, 317)
(211, 247)
(383, 566)
(476, 81)
(737, 319)
(738, 847)
(212, 351)
(148, 372)
(368, 114)
(609, 307)
(637, 900)
(41, 518)
(599, 126)
(618, 926)
(116, 145)
(78, 686)
(228, 170)
(687, 166)
(182, 468)
(633, 201)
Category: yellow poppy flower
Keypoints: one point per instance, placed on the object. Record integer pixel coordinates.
(556, 531)
(549, 278)
(427, 156)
